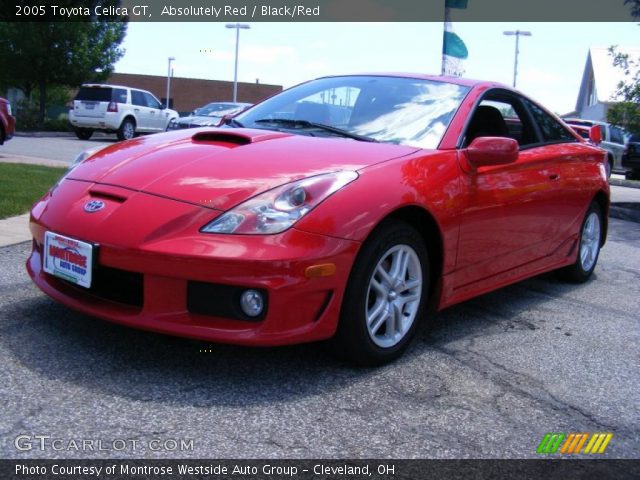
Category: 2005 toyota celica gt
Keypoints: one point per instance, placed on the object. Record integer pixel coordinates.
(342, 208)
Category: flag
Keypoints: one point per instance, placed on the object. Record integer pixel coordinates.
(454, 51)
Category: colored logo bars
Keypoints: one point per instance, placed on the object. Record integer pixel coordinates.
(574, 442)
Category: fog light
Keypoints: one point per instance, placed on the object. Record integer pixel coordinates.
(252, 303)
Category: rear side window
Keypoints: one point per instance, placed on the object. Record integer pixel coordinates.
(94, 94)
(616, 135)
(119, 95)
(552, 131)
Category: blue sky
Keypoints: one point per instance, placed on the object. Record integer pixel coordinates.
(551, 61)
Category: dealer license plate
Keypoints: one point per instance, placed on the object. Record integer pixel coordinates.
(68, 258)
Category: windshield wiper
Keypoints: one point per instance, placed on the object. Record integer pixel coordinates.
(319, 126)
(232, 122)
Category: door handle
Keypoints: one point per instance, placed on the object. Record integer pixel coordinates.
(136, 109)
(554, 176)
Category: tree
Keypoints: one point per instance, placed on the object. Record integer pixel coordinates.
(627, 111)
(45, 54)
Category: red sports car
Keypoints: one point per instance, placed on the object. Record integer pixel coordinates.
(7, 121)
(343, 208)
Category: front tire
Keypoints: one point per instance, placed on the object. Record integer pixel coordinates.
(385, 297)
(127, 130)
(588, 247)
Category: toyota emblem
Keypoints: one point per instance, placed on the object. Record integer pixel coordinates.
(93, 206)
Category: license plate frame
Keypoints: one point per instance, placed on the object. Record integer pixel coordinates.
(69, 258)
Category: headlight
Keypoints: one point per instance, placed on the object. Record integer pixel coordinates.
(278, 209)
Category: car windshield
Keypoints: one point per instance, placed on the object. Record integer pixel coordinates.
(398, 110)
(216, 109)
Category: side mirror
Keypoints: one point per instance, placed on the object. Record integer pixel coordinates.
(492, 151)
(224, 120)
(595, 134)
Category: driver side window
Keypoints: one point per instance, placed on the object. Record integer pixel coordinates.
(500, 117)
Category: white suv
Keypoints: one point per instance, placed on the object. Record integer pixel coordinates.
(612, 141)
(114, 108)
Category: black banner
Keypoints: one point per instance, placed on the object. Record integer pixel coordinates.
(316, 10)
(318, 469)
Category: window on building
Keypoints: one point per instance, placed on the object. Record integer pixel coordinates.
(593, 95)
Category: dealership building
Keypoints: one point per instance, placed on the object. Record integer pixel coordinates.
(190, 93)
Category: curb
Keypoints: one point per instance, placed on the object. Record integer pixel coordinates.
(43, 134)
(14, 230)
(57, 134)
(625, 211)
(624, 183)
(33, 161)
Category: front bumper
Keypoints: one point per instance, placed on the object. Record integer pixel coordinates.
(300, 309)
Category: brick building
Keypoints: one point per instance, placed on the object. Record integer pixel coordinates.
(190, 93)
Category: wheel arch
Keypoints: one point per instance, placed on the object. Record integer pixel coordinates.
(130, 116)
(602, 199)
(427, 226)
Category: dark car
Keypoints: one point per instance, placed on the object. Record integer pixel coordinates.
(631, 157)
(7, 121)
(209, 116)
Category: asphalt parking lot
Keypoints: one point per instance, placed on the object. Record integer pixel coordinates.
(488, 380)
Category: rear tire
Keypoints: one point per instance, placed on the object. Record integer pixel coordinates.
(83, 133)
(633, 174)
(127, 130)
(588, 247)
(385, 297)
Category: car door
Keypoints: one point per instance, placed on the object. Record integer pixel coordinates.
(510, 213)
(617, 145)
(156, 113)
(145, 122)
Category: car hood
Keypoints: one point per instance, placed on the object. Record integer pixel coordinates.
(199, 120)
(220, 168)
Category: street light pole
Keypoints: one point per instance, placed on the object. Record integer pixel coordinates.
(237, 26)
(171, 59)
(517, 33)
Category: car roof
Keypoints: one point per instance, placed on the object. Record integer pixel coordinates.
(467, 82)
(108, 85)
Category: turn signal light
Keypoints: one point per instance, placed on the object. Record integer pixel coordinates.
(322, 270)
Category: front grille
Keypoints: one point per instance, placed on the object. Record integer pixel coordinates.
(115, 285)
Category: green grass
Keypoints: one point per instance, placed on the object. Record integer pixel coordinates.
(21, 185)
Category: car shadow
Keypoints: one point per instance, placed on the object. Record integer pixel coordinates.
(62, 345)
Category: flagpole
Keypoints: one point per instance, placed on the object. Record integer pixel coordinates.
(447, 19)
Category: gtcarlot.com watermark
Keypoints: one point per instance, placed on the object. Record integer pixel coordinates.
(25, 443)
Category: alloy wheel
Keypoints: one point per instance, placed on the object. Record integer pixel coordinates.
(393, 296)
(590, 241)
